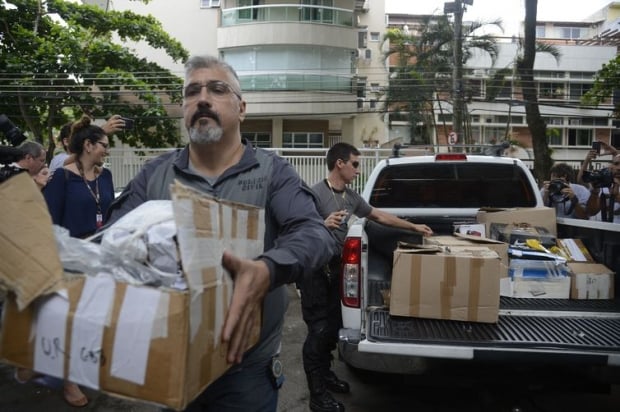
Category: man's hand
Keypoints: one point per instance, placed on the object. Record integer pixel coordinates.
(335, 219)
(251, 279)
(421, 228)
(113, 125)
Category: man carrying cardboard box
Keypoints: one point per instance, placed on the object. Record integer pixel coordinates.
(218, 162)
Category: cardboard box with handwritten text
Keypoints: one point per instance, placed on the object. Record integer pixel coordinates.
(145, 343)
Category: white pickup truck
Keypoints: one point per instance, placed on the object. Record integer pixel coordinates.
(439, 191)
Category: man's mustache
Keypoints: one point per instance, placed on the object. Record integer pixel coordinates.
(206, 113)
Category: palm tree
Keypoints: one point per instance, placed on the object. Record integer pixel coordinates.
(423, 74)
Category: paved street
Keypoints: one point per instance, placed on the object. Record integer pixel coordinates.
(449, 390)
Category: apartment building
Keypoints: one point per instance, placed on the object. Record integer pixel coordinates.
(584, 46)
(310, 70)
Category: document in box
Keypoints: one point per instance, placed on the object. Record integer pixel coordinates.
(574, 250)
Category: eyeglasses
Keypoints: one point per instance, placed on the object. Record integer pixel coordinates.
(355, 163)
(215, 88)
(106, 146)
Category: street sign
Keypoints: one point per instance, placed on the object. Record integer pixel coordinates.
(452, 138)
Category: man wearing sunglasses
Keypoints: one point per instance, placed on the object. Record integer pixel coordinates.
(320, 294)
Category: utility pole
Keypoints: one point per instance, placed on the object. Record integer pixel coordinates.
(457, 73)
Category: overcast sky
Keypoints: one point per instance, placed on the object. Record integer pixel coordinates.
(510, 11)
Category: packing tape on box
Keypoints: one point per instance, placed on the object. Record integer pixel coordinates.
(447, 286)
(416, 286)
(90, 318)
(475, 270)
(133, 333)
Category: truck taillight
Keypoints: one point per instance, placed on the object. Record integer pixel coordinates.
(350, 275)
(450, 156)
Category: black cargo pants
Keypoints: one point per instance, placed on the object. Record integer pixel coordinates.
(320, 307)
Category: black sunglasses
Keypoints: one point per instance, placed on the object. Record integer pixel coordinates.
(355, 164)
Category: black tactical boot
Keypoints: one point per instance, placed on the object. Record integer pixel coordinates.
(320, 399)
(334, 384)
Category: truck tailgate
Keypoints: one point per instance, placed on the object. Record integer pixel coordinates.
(554, 328)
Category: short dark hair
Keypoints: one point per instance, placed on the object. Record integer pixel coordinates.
(208, 62)
(340, 151)
(563, 170)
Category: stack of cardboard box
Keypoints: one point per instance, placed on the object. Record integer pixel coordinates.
(461, 277)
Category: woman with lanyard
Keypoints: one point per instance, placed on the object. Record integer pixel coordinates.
(78, 194)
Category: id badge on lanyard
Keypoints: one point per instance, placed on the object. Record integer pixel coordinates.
(99, 220)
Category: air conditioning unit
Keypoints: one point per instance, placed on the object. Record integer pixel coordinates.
(478, 72)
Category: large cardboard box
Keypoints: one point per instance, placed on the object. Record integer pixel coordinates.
(591, 281)
(459, 239)
(459, 284)
(533, 216)
(140, 342)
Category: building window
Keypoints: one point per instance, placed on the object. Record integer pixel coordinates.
(549, 90)
(540, 32)
(309, 140)
(373, 103)
(555, 136)
(582, 75)
(375, 88)
(549, 74)
(513, 119)
(361, 88)
(375, 36)
(258, 139)
(361, 39)
(570, 32)
(205, 4)
(578, 90)
(579, 137)
(554, 120)
(493, 134)
(245, 14)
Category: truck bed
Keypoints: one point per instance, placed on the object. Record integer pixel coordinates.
(581, 328)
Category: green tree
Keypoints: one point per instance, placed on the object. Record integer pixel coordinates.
(59, 61)
(606, 83)
(424, 67)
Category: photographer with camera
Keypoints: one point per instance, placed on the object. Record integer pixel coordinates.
(604, 202)
(569, 199)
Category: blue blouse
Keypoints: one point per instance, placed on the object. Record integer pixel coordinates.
(72, 205)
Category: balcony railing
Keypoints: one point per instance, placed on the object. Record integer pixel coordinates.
(298, 13)
(295, 81)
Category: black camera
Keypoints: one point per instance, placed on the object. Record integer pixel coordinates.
(12, 132)
(10, 154)
(599, 178)
(556, 186)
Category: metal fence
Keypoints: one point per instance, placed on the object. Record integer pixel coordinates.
(124, 163)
